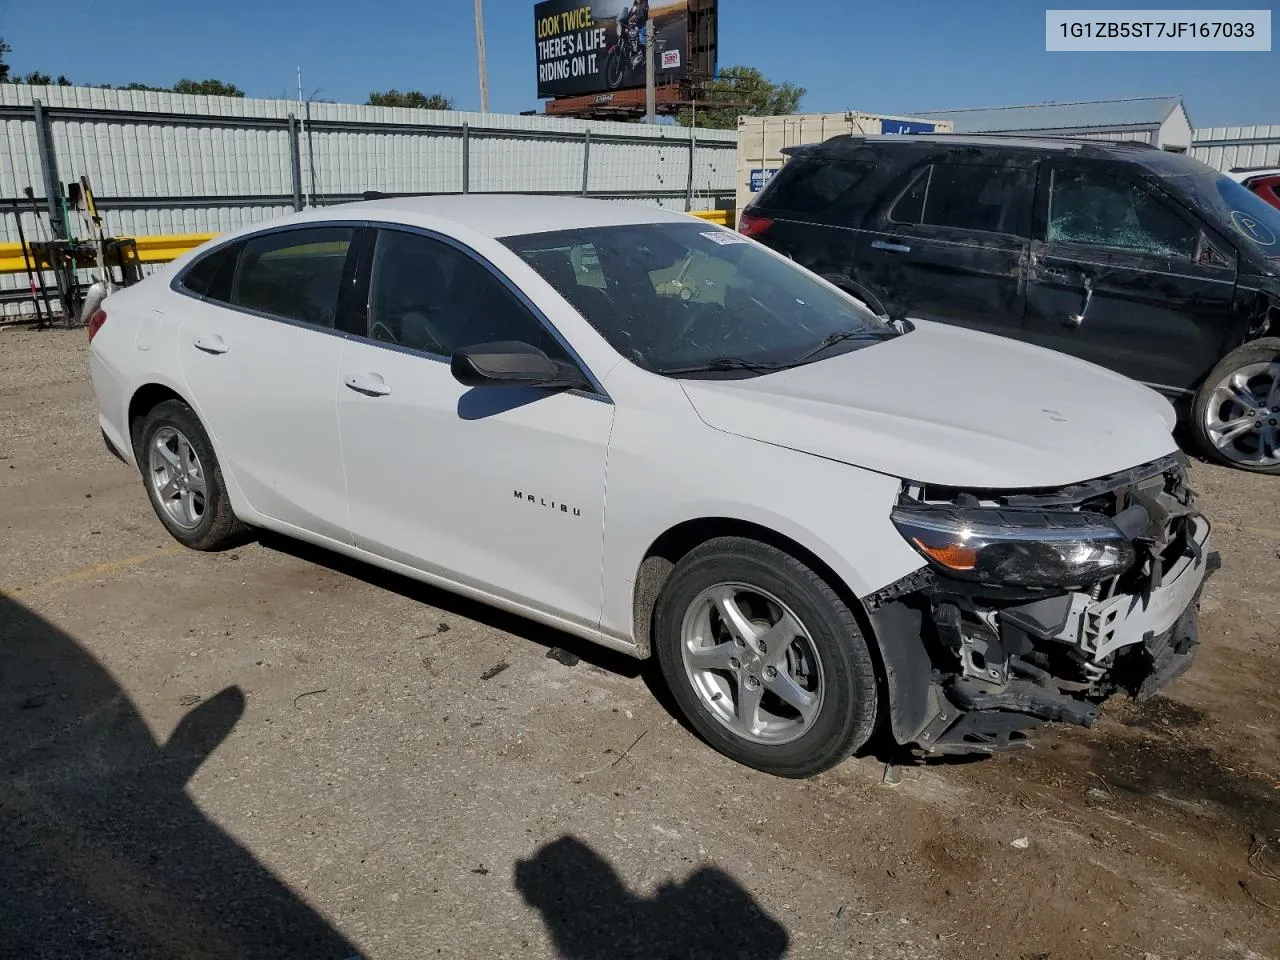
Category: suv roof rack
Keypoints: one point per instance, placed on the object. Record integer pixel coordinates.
(977, 139)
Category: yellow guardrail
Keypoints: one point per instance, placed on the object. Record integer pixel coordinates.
(722, 217)
(157, 249)
(165, 247)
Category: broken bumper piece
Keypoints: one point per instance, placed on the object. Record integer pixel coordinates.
(973, 670)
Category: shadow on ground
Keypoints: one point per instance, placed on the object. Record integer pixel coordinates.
(591, 915)
(454, 603)
(881, 747)
(102, 853)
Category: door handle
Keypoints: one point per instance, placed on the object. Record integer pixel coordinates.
(370, 384)
(1076, 319)
(213, 344)
(890, 247)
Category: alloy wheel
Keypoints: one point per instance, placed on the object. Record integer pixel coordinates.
(752, 663)
(177, 477)
(1243, 415)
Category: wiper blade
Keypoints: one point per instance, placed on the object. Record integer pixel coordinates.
(725, 363)
(838, 337)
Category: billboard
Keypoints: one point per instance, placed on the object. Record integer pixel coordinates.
(596, 46)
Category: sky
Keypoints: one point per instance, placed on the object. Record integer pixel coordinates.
(882, 57)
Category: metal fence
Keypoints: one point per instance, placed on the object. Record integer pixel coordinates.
(1227, 147)
(163, 163)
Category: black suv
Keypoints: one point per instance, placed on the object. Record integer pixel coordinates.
(1147, 262)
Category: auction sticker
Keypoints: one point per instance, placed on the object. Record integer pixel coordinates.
(724, 237)
(1259, 233)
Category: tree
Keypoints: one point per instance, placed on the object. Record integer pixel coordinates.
(208, 88)
(410, 98)
(742, 85)
(212, 88)
(38, 79)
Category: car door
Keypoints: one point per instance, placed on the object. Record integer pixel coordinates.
(259, 354)
(952, 245)
(499, 488)
(1125, 277)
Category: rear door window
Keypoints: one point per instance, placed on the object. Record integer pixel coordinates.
(1100, 209)
(293, 274)
(974, 197)
(910, 206)
(815, 186)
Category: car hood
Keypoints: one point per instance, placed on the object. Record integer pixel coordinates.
(950, 406)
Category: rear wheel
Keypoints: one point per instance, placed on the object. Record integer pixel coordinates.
(766, 661)
(183, 479)
(1236, 415)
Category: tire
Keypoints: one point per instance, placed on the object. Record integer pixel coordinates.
(615, 69)
(183, 479)
(1238, 424)
(828, 658)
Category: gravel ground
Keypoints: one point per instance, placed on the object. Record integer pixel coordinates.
(275, 752)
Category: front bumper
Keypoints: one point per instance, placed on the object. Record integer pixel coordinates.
(970, 673)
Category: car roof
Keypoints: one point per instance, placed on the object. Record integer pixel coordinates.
(505, 215)
(1248, 173)
(1155, 159)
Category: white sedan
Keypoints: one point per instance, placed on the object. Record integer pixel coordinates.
(657, 434)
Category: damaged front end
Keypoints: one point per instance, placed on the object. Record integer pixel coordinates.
(1036, 606)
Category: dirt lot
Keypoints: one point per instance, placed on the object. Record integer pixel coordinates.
(275, 752)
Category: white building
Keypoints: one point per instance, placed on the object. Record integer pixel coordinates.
(1160, 121)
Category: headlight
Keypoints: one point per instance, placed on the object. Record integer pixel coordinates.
(1017, 548)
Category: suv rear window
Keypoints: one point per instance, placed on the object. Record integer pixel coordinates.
(815, 186)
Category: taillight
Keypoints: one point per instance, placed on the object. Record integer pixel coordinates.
(753, 226)
(96, 321)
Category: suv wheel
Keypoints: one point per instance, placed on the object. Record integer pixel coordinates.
(766, 661)
(183, 479)
(1236, 416)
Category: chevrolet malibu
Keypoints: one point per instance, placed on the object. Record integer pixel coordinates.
(661, 436)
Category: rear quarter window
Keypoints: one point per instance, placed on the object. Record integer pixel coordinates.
(210, 276)
(815, 186)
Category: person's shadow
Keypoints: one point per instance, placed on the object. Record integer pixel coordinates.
(102, 852)
(592, 916)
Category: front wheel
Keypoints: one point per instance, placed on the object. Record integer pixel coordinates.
(1236, 414)
(765, 660)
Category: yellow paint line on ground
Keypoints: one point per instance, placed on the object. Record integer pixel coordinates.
(103, 569)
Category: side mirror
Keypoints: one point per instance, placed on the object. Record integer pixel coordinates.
(511, 363)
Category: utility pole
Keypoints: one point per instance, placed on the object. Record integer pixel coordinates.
(303, 116)
(650, 96)
(484, 70)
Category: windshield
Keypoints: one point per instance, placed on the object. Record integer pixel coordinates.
(1246, 213)
(674, 297)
